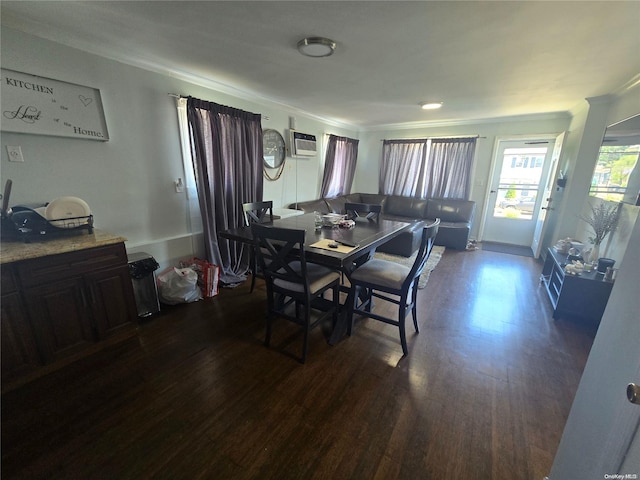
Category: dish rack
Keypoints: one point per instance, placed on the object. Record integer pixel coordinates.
(54, 228)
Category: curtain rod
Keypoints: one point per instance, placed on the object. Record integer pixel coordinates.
(433, 138)
(175, 95)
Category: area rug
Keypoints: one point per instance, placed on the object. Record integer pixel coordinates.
(506, 248)
(432, 262)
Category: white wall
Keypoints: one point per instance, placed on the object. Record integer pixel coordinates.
(128, 181)
(579, 159)
(624, 106)
(582, 154)
(600, 417)
(594, 423)
(370, 151)
(302, 177)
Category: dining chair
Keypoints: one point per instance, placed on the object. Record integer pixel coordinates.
(392, 282)
(259, 212)
(256, 212)
(368, 210)
(294, 286)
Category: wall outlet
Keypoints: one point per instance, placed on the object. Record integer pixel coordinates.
(15, 154)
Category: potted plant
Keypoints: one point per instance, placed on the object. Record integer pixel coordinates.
(603, 219)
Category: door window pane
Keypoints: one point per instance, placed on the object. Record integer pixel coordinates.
(519, 181)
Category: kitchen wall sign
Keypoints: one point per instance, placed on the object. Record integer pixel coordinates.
(43, 106)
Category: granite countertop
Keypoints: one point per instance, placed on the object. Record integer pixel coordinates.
(18, 250)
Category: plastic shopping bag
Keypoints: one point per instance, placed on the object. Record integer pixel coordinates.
(178, 285)
(208, 275)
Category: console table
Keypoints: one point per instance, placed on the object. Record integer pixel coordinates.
(584, 296)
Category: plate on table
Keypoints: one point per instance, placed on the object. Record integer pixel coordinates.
(62, 212)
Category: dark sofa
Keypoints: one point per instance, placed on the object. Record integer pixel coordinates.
(456, 217)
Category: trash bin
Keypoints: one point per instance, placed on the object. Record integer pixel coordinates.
(142, 267)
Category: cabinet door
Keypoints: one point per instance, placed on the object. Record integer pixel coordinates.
(19, 354)
(112, 301)
(584, 298)
(59, 312)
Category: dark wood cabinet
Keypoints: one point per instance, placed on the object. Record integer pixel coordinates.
(58, 308)
(60, 318)
(19, 352)
(583, 296)
(111, 298)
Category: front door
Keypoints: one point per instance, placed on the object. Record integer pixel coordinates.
(517, 190)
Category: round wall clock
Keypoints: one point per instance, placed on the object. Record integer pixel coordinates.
(273, 147)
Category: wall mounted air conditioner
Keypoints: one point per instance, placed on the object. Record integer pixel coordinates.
(302, 144)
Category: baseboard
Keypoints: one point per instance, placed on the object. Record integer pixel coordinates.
(169, 251)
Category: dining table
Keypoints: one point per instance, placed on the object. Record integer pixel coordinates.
(354, 244)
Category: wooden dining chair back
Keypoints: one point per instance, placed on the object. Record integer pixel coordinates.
(392, 282)
(369, 211)
(295, 287)
(256, 212)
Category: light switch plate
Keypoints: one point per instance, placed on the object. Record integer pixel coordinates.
(15, 154)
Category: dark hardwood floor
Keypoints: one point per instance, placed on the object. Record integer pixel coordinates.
(483, 394)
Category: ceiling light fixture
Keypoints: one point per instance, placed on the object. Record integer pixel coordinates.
(316, 46)
(431, 105)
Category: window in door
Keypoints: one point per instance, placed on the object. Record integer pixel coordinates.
(519, 182)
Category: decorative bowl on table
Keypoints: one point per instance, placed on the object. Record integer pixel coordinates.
(332, 219)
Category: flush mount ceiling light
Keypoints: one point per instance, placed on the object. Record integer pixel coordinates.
(316, 47)
(431, 105)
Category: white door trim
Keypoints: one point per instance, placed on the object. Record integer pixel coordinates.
(494, 164)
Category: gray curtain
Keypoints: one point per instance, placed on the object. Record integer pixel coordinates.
(226, 147)
(339, 166)
(402, 169)
(449, 168)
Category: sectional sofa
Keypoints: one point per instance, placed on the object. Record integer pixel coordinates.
(456, 217)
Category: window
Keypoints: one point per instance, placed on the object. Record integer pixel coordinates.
(616, 171)
(339, 166)
(427, 167)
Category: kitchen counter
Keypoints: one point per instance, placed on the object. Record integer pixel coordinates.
(18, 250)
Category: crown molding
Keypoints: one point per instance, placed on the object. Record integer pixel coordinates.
(470, 121)
(630, 85)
